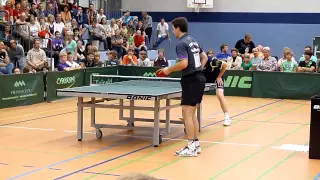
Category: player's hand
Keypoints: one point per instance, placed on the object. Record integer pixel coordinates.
(219, 81)
(163, 71)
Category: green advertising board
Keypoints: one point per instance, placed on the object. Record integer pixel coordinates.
(21, 89)
(100, 71)
(142, 71)
(61, 80)
(237, 83)
(281, 85)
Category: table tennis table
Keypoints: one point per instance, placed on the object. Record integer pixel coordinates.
(131, 88)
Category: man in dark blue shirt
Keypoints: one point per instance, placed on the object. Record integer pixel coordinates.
(192, 60)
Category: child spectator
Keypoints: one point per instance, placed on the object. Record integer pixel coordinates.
(288, 65)
(161, 61)
(143, 59)
(246, 64)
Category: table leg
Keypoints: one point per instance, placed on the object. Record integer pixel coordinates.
(80, 119)
(199, 115)
(131, 122)
(168, 103)
(121, 109)
(93, 112)
(156, 130)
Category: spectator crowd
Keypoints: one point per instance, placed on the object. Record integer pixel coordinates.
(74, 37)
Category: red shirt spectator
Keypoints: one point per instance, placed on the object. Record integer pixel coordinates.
(138, 40)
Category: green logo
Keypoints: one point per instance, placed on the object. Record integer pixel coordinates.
(149, 74)
(244, 82)
(19, 84)
(101, 80)
(69, 81)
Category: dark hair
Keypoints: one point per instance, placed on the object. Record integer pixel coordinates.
(308, 53)
(234, 49)
(308, 47)
(222, 46)
(69, 53)
(181, 23)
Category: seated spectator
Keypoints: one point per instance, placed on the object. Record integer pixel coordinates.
(288, 64)
(58, 25)
(139, 42)
(223, 55)
(77, 36)
(34, 27)
(6, 35)
(96, 60)
(81, 51)
(16, 54)
(162, 33)
(63, 66)
(5, 66)
(256, 59)
(307, 65)
(112, 27)
(71, 63)
(90, 60)
(66, 16)
(71, 45)
(57, 46)
(130, 59)
(245, 45)
(51, 8)
(131, 28)
(308, 50)
(101, 15)
(89, 48)
(143, 60)
(112, 59)
(246, 64)
(98, 33)
(124, 29)
(36, 60)
(284, 58)
(161, 61)
(41, 12)
(210, 54)
(33, 12)
(260, 49)
(268, 63)
(16, 71)
(117, 42)
(234, 62)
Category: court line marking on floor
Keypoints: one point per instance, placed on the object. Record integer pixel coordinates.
(234, 135)
(260, 149)
(77, 157)
(54, 115)
(210, 142)
(153, 153)
(126, 154)
(278, 164)
(58, 169)
(273, 122)
(41, 112)
(70, 159)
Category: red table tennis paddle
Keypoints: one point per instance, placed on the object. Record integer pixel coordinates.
(159, 73)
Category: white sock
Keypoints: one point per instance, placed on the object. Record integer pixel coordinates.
(191, 144)
(196, 143)
(226, 115)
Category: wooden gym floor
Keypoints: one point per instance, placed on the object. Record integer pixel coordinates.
(39, 142)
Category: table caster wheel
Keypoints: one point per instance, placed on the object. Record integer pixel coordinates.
(98, 133)
(155, 146)
(160, 138)
(185, 130)
(79, 139)
(130, 124)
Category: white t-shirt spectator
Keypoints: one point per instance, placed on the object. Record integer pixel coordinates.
(163, 29)
(144, 63)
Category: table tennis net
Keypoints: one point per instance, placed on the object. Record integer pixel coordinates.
(134, 81)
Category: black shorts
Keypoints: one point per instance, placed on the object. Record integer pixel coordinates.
(192, 89)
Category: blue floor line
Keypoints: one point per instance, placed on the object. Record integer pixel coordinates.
(67, 160)
(126, 154)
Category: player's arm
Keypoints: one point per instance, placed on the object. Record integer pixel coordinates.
(222, 69)
(203, 59)
(182, 53)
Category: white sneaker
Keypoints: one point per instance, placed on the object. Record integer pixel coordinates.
(227, 122)
(198, 148)
(186, 152)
